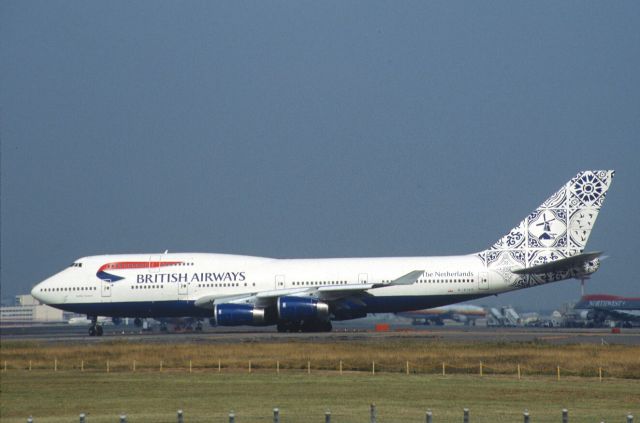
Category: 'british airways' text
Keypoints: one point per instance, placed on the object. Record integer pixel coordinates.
(195, 277)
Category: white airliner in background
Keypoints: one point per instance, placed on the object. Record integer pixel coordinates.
(462, 313)
(86, 321)
(307, 294)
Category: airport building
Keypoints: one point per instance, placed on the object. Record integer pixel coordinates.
(29, 310)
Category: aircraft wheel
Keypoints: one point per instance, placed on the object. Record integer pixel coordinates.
(92, 330)
(315, 326)
(99, 331)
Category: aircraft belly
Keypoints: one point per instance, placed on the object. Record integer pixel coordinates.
(394, 304)
(171, 308)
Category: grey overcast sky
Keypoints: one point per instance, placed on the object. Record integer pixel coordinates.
(312, 129)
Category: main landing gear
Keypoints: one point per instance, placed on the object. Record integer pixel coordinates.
(95, 329)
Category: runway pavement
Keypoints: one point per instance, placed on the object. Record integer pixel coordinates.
(343, 331)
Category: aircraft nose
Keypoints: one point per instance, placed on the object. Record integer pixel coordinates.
(35, 292)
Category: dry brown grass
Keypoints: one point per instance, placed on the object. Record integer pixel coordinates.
(535, 358)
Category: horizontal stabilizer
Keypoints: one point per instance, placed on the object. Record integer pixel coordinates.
(561, 265)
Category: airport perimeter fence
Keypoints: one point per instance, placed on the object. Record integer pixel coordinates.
(292, 367)
(373, 417)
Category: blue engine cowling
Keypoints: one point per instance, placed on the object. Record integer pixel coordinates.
(296, 309)
(238, 315)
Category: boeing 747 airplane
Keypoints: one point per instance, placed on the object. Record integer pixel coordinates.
(307, 294)
(600, 307)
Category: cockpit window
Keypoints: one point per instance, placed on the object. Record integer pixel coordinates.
(75, 265)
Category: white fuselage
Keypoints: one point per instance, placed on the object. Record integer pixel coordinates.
(166, 285)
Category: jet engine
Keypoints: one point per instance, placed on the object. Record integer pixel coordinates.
(296, 309)
(587, 314)
(238, 315)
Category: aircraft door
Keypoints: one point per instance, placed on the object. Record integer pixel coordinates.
(183, 289)
(279, 282)
(105, 289)
(363, 278)
(483, 280)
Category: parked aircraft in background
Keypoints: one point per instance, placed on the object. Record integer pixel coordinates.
(600, 308)
(462, 313)
(85, 321)
(307, 294)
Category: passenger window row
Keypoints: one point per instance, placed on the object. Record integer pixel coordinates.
(219, 285)
(445, 280)
(317, 283)
(69, 288)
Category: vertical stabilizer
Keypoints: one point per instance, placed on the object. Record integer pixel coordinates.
(558, 229)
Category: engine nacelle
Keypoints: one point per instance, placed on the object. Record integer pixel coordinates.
(296, 309)
(586, 314)
(238, 315)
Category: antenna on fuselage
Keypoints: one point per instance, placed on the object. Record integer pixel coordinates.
(166, 251)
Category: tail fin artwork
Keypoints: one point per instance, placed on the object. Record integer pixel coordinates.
(548, 244)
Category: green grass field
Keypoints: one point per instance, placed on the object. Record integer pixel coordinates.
(208, 396)
(82, 384)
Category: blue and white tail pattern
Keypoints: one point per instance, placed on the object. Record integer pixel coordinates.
(558, 229)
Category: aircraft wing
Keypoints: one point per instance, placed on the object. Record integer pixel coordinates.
(564, 264)
(327, 292)
(340, 291)
(208, 301)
